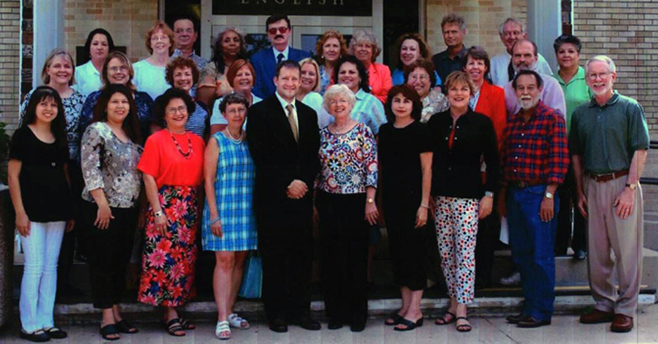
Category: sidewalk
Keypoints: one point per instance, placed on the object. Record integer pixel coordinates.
(565, 330)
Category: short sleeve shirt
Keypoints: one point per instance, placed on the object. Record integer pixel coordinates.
(163, 161)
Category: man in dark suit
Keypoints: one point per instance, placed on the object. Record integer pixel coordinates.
(284, 140)
(266, 60)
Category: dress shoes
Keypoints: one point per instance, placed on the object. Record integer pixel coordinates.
(307, 323)
(621, 323)
(514, 319)
(358, 326)
(531, 322)
(334, 324)
(596, 317)
(279, 326)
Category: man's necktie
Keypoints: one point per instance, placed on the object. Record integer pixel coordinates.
(292, 122)
(279, 58)
(510, 71)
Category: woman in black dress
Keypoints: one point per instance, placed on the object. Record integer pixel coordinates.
(405, 159)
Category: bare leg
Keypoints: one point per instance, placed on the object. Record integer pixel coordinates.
(413, 312)
(108, 319)
(238, 270)
(223, 276)
(406, 300)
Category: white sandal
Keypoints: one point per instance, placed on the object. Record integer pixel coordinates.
(222, 330)
(238, 322)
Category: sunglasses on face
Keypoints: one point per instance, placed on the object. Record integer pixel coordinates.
(273, 30)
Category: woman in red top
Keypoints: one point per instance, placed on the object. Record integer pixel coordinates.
(364, 46)
(172, 165)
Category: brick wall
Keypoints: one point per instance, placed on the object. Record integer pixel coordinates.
(9, 61)
(482, 20)
(126, 20)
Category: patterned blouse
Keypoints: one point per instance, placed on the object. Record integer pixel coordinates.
(434, 102)
(110, 164)
(143, 103)
(72, 108)
(349, 161)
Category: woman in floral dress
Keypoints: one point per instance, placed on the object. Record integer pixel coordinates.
(172, 165)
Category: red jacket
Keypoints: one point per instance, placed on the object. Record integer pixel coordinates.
(492, 104)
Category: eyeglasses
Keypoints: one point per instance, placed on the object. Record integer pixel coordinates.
(116, 69)
(159, 38)
(273, 30)
(422, 77)
(236, 111)
(599, 75)
(190, 30)
(173, 110)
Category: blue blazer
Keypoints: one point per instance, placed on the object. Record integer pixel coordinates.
(264, 64)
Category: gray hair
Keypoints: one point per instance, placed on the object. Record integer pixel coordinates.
(336, 91)
(602, 58)
(510, 21)
(361, 36)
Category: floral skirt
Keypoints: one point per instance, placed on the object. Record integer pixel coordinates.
(168, 261)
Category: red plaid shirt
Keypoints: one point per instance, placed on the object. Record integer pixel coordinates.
(536, 150)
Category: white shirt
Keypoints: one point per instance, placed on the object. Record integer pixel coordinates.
(150, 79)
(499, 64)
(284, 52)
(314, 100)
(217, 117)
(284, 103)
(87, 79)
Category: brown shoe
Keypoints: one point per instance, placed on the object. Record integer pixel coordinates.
(621, 323)
(596, 317)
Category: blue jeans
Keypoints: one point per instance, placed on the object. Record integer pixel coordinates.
(533, 243)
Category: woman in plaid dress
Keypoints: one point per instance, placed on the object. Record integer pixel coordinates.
(229, 228)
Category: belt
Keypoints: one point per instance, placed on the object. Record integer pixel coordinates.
(523, 184)
(607, 176)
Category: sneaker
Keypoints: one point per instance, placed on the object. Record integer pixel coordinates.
(513, 279)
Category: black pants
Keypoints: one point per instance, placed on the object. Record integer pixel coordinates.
(109, 253)
(568, 201)
(408, 254)
(67, 251)
(488, 238)
(344, 235)
(286, 247)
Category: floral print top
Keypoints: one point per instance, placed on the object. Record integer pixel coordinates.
(349, 161)
(110, 164)
(434, 102)
(72, 108)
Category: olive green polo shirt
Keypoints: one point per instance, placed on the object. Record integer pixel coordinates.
(607, 136)
(576, 92)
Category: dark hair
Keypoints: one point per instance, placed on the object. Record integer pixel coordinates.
(131, 122)
(534, 46)
(275, 18)
(58, 125)
(192, 19)
(181, 62)
(564, 39)
(235, 67)
(218, 53)
(477, 53)
(425, 64)
(409, 93)
(528, 72)
(160, 104)
(286, 64)
(363, 74)
(422, 46)
(233, 98)
(453, 18)
(90, 37)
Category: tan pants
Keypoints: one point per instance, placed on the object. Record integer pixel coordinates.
(608, 232)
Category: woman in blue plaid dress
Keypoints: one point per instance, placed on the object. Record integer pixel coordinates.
(229, 227)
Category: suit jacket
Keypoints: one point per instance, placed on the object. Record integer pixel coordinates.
(264, 64)
(279, 160)
(492, 104)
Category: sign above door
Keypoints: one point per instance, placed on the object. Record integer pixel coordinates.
(351, 8)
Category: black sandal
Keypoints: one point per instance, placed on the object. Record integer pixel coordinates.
(38, 336)
(394, 318)
(464, 327)
(410, 325)
(125, 327)
(173, 327)
(55, 332)
(109, 330)
(443, 319)
(186, 324)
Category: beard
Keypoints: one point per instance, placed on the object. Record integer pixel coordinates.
(523, 66)
(527, 104)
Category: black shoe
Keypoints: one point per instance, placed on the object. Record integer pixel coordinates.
(38, 336)
(580, 255)
(358, 326)
(307, 323)
(514, 319)
(279, 326)
(531, 322)
(335, 324)
(55, 332)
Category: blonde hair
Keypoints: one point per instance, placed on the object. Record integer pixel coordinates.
(362, 36)
(310, 60)
(45, 78)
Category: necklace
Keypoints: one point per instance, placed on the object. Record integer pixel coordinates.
(341, 129)
(189, 146)
(233, 139)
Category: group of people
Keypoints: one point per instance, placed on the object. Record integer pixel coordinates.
(455, 142)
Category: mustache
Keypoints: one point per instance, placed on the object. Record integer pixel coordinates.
(278, 36)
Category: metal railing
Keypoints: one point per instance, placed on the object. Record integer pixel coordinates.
(650, 180)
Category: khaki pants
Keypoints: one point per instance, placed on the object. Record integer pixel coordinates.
(608, 232)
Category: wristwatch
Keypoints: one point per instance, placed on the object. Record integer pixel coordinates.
(158, 213)
(488, 194)
(371, 201)
(548, 195)
(631, 186)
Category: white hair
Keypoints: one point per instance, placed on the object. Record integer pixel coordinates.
(602, 58)
(336, 91)
(501, 28)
